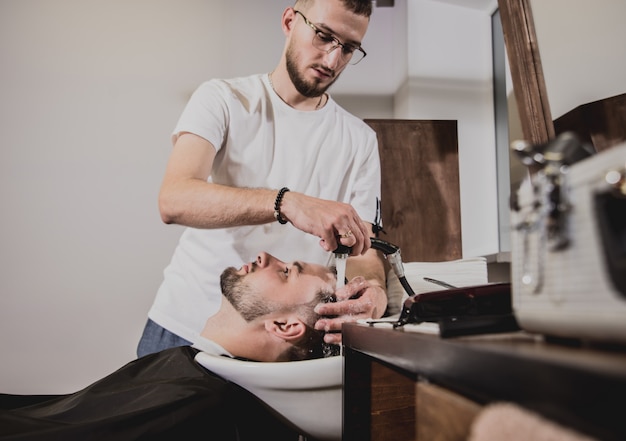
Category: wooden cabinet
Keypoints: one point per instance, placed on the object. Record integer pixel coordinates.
(401, 385)
(421, 206)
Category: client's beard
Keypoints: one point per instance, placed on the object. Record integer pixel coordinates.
(241, 295)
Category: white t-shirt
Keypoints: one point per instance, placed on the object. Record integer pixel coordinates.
(262, 142)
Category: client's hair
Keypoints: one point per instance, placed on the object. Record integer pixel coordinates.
(312, 344)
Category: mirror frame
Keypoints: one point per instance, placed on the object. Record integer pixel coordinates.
(529, 85)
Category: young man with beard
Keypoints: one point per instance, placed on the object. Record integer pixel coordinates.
(238, 142)
(267, 315)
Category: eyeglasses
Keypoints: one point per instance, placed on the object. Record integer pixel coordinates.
(327, 42)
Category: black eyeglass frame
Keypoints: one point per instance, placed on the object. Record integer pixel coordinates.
(331, 39)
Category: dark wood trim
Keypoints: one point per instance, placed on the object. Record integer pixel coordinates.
(601, 123)
(526, 70)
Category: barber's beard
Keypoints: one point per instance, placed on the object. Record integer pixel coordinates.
(309, 89)
(241, 295)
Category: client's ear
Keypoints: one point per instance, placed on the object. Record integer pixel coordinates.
(286, 328)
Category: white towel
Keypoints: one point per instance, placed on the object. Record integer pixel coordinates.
(461, 272)
(510, 422)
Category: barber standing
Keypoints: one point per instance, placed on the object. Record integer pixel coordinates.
(271, 162)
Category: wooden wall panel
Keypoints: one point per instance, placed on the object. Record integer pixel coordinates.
(443, 415)
(421, 208)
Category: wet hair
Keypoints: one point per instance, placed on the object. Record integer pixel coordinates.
(359, 7)
(312, 344)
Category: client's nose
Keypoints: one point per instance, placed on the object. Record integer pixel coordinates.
(264, 259)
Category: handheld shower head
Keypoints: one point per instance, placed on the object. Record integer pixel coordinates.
(342, 251)
(392, 254)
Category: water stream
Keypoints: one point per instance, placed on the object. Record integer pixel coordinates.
(340, 263)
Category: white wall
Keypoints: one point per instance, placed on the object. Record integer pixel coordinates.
(367, 106)
(89, 93)
(450, 77)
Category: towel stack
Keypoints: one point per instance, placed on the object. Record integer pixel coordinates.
(461, 272)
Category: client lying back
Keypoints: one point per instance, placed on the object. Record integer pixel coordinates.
(185, 391)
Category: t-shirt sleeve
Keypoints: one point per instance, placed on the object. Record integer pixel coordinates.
(206, 114)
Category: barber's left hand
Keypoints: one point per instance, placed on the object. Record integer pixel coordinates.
(359, 299)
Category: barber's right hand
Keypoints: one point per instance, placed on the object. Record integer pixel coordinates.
(359, 299)
(333, 222)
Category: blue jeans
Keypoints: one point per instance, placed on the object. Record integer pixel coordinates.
(156, 338)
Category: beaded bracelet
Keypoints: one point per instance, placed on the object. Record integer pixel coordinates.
(279, 199)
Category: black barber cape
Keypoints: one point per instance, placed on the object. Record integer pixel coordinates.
(161, 396)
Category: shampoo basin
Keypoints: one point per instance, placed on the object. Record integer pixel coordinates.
(306, 394)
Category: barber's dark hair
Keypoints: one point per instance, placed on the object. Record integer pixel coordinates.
(359, 7)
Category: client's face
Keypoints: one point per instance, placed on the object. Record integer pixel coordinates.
(268, 284)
